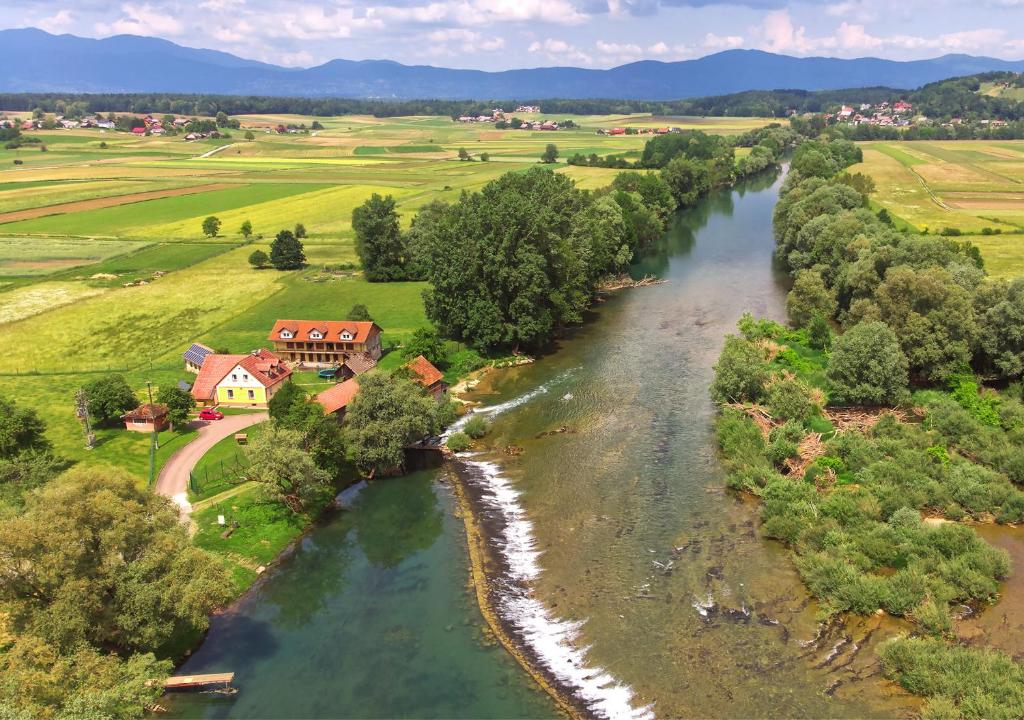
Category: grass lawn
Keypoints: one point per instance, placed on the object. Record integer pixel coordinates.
(222, 467)
(264, 530)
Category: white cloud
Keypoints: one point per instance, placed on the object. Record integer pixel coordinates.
(659, 48)
(481, 12)
(141, 20)
(560, 51)
(722, 42)
(59, 22)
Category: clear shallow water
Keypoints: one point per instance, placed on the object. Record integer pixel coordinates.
(371, 617)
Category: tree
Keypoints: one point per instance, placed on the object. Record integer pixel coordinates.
(808, 298)
(259, 259)
(741, 372)
(211, 226)
(426, 342)
(38, 681)
(359, 313)
(550, 154)
(688, 179)
(249, 136)
(286, 252)
(300, 231)
(463, 154)
(96, 560)
(286, 471)
(506, 264)
(109, 398)
(21, 430)
(179, 403)
(246, 229)
(222, 119)
(386, 415)
(485, 157)
(379, 239)
(867, 367)
(653, 189)
(1001, 331)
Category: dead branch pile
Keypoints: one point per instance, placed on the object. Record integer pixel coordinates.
(809, 450)
(625, 281)
(862, 419)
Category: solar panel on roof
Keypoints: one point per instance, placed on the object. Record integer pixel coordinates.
(196, 354)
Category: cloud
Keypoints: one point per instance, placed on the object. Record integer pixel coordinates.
(560, 51)
(141, 20)
(59, 22)
(722, 42)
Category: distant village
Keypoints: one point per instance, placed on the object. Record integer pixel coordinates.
(503, 120)
(886, 114)
(190, 129)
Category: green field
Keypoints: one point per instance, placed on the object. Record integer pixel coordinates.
(66, 315)
(967, 186)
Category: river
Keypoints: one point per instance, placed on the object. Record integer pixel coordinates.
(625, 570)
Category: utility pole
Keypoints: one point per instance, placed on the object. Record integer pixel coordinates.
(149, 389)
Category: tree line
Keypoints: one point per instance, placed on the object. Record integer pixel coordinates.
(884, 319)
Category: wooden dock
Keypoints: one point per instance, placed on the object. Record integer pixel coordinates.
(192, 682)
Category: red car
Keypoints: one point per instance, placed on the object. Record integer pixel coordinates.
(210, 414)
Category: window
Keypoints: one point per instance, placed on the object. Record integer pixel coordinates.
(252, 394)
(234, 376)
(245, 376)
(346, 335)
(286, 334)
(231, 394)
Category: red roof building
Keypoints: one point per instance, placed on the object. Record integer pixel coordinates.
(428, 376)
(245, 380)
(325, 343)
(337, 398)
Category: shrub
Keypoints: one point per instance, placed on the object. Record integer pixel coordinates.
(475, 427)
(790, 400)
(458, 442)
(740, 373)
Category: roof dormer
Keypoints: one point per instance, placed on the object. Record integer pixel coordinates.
(287, 334)
(345, 334)
(316, 335)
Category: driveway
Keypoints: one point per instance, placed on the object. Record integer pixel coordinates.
(173, 479)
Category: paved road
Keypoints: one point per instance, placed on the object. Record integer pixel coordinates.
(173, 479)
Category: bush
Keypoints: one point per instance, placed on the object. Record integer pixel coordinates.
(790, 400)
(475, 427)
(740, 373)
(867, 366)
(458, 442)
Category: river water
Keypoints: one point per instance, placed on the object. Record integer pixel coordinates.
(626, 571)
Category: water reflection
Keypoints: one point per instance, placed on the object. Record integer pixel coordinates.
(370, 617)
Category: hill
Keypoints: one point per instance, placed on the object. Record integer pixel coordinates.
(131, 64)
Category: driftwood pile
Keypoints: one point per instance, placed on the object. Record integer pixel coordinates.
(812, 447)
(623, 282)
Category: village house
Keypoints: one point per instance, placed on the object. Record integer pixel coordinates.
(353, 346)
(429, 377)
(148, 417)
(195, 355)
(240, 380)
(336, 399)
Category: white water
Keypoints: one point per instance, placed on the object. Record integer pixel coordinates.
(551, 639)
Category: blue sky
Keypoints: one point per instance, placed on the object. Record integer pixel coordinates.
(500, 34)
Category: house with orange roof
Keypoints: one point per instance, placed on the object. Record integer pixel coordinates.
(424, 372)
(240, 380)
(327, 343)
(336, 399)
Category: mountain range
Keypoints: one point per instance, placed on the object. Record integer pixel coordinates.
(38, 61)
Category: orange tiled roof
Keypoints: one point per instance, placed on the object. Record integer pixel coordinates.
(425, 371)
(335, 398)
(262, 364)
(146, 412)
(330, 329)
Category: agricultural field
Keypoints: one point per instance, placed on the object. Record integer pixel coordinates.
(972, 188)
(104, 267)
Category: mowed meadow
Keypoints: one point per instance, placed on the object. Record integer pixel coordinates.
(974, 188)
(104, 266)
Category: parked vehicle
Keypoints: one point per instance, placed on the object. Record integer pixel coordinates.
(210, 414)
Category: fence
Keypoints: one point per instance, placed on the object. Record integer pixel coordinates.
(218, 476)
